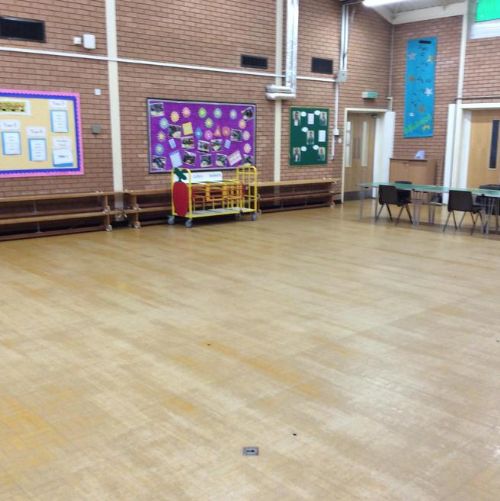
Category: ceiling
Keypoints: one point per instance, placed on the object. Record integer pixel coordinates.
(418, 10)
(409, 5)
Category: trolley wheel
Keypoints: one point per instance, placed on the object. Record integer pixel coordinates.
(188, 223)
(254, 216)
(171, 220)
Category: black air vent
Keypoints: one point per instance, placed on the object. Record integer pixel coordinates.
(319, 65)
(254, 62)
(22, 29)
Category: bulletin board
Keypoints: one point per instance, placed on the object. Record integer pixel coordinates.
(40, 134)
(196, 134)
(308, 136)
(421, 56)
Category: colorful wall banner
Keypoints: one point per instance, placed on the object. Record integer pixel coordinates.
(200, 135)
(420, 87)
(308, 136)
(40, 134)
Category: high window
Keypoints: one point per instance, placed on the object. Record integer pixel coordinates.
(485, 17)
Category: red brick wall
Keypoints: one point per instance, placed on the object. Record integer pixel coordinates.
(61, 74)
(448, 32)
(211, 33)
(189, 32)
(63, 20)
(139, 83)
(369, 55)
(482, 61)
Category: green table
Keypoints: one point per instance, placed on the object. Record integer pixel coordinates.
(420, 193)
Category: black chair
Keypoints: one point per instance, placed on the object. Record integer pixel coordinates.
(404, 196)
(387, 196)
(491, 205)
(463, 201)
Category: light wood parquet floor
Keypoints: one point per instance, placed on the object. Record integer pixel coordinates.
(363, 360)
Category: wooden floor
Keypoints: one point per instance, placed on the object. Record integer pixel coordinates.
(363, 360)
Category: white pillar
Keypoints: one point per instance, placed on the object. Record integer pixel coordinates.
(278, 81)
(114, 95)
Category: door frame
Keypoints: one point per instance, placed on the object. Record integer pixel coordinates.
(383, 143)
(456, 168)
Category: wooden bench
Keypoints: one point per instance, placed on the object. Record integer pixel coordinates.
(153, 202)
(296, 194)
(26, 216)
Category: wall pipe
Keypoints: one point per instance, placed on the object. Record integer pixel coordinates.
(344, 44)
(289, 90)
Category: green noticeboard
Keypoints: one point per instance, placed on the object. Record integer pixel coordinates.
(308, 136)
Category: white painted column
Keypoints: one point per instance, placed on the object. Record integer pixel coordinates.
(114, 95)
(278, 81)
(457, 149)
(384, 145)
(454, 134)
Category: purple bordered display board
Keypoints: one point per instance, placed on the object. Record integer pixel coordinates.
(200, 135)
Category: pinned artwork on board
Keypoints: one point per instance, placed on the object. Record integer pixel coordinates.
(308, 136)
(200, 134)
(421, 56)
(40, 134)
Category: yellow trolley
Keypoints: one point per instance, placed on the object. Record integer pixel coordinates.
(207, 193)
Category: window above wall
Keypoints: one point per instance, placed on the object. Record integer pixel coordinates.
(485, 17)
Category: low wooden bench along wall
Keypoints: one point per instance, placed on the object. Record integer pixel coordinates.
(297, 194)
(38, 215)
(147, 206)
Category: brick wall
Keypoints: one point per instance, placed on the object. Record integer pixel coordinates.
(211, 33)
(63, 20)
(482, 61)
(448, 32)
(189, 33)
(139, 83)
(369, 55)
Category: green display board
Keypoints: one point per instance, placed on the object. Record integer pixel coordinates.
(308, 136)
(487, 10)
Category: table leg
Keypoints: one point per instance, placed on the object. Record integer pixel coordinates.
(361, 201)
(490, 204)
(417, 204)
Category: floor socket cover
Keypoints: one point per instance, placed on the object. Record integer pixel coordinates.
(250, 451)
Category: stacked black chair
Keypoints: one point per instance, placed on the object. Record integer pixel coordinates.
(463, 201)
(388, 195)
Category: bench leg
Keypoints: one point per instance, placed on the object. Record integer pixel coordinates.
(107, 222)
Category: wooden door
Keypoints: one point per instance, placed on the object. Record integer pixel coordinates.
(359, 152)
(484, 151)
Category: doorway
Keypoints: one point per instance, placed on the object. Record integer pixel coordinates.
(484, 148)
(359, 152)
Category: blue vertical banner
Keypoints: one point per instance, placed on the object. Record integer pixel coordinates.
(419, 87)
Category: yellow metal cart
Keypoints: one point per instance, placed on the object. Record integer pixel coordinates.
(207, 193)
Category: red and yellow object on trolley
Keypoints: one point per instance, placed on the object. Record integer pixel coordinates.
(209, 193)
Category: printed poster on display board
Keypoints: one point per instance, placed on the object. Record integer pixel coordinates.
(40, 134)
(200, 135)
(308, 136)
